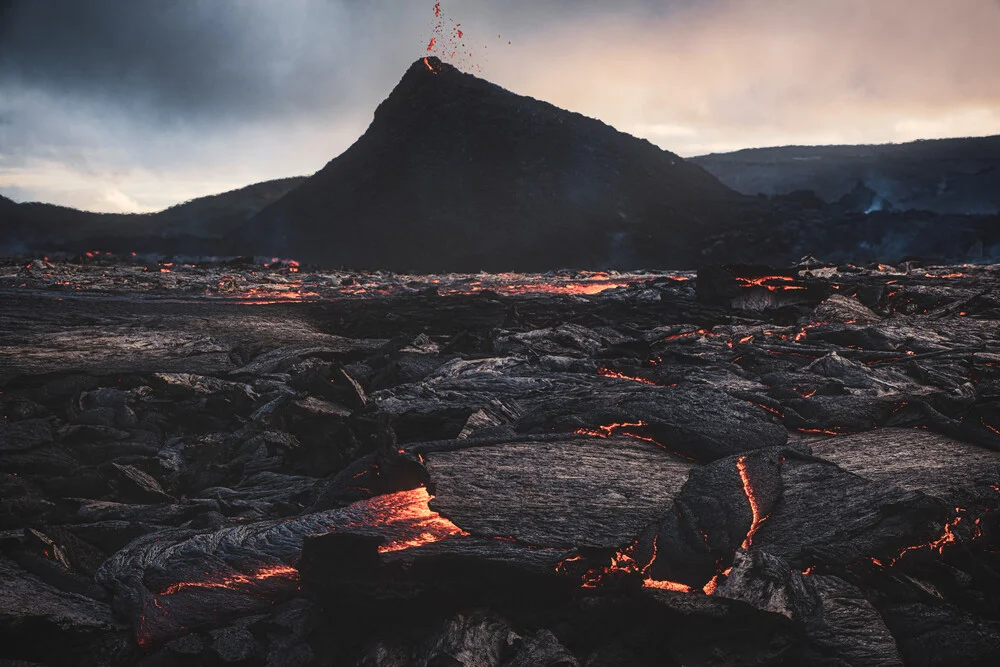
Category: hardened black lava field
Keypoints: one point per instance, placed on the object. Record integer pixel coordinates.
(257, 463)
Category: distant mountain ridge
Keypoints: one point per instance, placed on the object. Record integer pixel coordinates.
(33, 224)
(457, 173)
(950, 176)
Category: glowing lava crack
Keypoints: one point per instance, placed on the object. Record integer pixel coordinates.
(405, 517)
(741, 465)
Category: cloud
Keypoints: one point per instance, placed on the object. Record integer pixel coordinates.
(163, 101)
(760, 72)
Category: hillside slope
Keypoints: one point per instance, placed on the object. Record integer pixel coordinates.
(956, 176)
(456, 173)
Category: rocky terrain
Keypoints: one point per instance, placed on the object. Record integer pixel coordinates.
(238, 463)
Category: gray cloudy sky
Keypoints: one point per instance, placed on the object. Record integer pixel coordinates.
(133, 105)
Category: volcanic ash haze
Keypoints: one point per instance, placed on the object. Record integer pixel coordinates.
(455, 173)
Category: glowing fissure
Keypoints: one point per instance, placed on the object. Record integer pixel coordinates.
(609, 430)
(618, 429)
(758, 518)
(236, 581)
(947, 537)
(405, 516)
(773, 411)
(992, 428)
(760, 282)
(819, 431)
(623, 561)
(608, 373)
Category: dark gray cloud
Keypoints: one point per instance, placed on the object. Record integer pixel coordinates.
(185, 59)
(111, 104)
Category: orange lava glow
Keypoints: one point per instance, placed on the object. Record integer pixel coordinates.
(235, 581)
(741, 466)
(618, 429)
(406, 518)
(947, 537)
(608, 431)
(431, 46)
(623, 561)
(762, 282)
(773, 411)
(713, 583)
(944, 275)
(667, 585)
(608, 373)
(687, 334)
(992, 428)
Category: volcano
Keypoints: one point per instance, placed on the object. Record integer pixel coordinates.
(457, 173)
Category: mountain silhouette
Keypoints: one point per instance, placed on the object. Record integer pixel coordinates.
(457, 173)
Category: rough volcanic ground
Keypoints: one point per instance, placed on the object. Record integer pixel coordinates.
(232, 463)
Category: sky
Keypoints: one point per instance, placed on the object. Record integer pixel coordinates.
(135, 105)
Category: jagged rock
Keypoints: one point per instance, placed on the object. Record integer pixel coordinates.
(839, 308)
(541, 649)
(287, 652)
(841, 625)
(573, 491)
(504, 451)
(233, 644)
(188, 645)
(26, 434)
(475, 640)
(139, 486)
(76, 628)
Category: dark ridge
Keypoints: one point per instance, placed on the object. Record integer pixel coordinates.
(947, 176)
(190, 226)
(456, 173)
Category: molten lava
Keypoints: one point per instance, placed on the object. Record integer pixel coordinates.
(236, 581)
(947, 537)
(667, 585)
(608, 373)
(758, 518)
(992, 428)
(405, 518)
(764, 280)
(609, 430)
(944, 275)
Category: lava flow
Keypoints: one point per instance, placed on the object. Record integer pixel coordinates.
(406, 518)
(763, 280)
(623, 562)
(608, 373)
(609, 430)
(236, 581)
(947, 537)
(741, 466)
